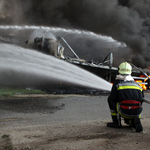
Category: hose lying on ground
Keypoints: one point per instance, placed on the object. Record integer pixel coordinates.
(145, 100)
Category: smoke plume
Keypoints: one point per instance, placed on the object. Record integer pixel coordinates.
(127, 21)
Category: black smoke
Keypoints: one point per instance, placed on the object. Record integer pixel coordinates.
(123, 2)
(125, 20)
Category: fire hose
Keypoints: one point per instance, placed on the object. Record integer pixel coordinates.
(146, 101)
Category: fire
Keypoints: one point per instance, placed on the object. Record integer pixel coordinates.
(142, 85)
(144, 81)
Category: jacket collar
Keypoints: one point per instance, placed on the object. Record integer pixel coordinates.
(124, 77)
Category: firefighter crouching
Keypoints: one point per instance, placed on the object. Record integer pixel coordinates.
(126, 99)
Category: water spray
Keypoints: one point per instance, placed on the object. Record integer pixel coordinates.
(37, 65)
(73, 31)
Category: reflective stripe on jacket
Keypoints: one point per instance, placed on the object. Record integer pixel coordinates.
(129, 85)
(129, 90)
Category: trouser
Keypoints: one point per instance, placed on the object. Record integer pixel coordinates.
(112, 106)
(116, 113)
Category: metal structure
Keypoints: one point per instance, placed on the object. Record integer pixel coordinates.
(54, 47)
(58, 47)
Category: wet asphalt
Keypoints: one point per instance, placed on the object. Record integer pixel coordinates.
(42, 111)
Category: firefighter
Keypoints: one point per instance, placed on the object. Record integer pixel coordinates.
(126, 99)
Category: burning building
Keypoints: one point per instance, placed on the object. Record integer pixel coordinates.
(126, 21)
(103, 69)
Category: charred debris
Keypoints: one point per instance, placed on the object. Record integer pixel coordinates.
(60, 49)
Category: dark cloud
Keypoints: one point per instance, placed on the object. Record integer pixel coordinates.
(125, 20)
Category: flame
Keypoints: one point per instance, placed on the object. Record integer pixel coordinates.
(142, 85)
(145, 81)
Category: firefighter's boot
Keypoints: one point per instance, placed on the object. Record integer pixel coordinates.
(137, 124)
(116, 122)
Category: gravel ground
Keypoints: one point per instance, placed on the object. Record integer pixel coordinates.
(60, 122)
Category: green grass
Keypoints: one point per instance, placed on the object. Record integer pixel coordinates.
(6, 143)
(11, 91)
(5, 136)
